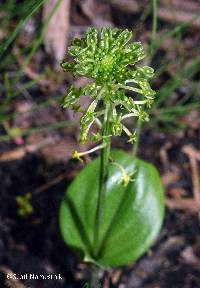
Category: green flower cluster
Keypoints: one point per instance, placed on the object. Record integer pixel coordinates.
(104, 59)
(109, 61)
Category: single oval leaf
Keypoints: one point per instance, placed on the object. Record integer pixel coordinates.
(132, 215)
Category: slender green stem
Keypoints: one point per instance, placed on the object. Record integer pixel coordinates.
(94, 277)
(138, 132)
(154, 26)
(37, 42)
(151, 52)
(8, 95)
(105, 154)
(65, 123)
(4, 46)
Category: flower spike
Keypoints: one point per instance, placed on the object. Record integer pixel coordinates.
(111, 63)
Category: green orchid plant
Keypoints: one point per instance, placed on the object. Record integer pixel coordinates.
(113, 209)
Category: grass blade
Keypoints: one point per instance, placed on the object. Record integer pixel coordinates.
(36, 5)
(172, 84)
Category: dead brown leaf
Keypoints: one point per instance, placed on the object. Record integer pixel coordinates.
(127, 5)
(179, 16)
(19, 153)
(56, 36)
(169, 12)
(91, 10)
(186, 5)
(60, 152)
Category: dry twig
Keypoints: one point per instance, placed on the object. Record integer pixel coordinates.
(183, 204)
(19, 153)
(192, 155)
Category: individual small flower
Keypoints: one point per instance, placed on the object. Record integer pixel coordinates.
(117, 123)
(149, 101)
(142, 115)
(87, 120)
(76, 155)
(95, 137)
(126, 178)
(71, 97)
(132, 137)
